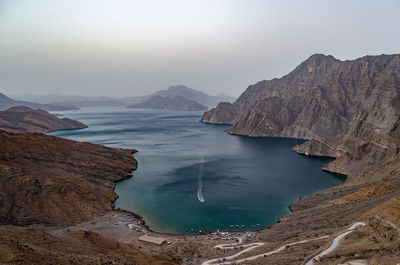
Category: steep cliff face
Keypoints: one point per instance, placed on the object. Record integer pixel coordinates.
(371, 138)
(318, 99)
(24, 119)
(46, 179)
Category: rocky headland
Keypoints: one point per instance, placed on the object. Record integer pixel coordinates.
(25, 119)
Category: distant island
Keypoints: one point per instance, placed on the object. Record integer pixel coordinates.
(168, 102)
(173, 91)
(195, 95)
(24, 119)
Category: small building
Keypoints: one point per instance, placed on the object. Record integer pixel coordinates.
(153, 240)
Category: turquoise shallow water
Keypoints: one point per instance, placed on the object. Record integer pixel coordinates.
(193, 176)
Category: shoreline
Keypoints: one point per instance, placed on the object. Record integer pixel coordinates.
(143, 221)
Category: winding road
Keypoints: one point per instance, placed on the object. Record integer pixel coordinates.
(335, 243)
(249, 247)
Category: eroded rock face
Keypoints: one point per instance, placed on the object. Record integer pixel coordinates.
(318, 99)
(46, 179)
(24, 119)
(371, 138)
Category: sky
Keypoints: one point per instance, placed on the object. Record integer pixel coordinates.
(132, 48)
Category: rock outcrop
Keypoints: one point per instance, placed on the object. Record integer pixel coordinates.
(24, 119)
(174, 103)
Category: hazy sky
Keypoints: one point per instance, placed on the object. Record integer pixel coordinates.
(128, 48)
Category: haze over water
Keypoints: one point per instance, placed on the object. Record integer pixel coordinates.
(193, 176)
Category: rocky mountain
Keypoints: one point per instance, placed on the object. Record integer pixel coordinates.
(6, 102)
(318, 99)
(350, 111)
(169, 102)
(24, 119)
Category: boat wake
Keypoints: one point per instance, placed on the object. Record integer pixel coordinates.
(200, 181)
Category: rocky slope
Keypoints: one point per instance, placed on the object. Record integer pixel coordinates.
(371, 138)
(23, 245)
(318, 99)
(24, 119)
(175, 103)
(46, 179)
(48, 182)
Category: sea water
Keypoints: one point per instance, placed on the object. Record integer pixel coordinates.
(195, 177)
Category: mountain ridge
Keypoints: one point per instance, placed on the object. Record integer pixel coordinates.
(179, 90)
(335, 87)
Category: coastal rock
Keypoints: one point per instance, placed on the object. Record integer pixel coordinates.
(24, 119)
(50, 180)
